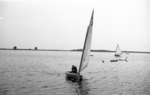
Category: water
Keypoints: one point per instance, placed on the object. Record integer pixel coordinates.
(43, 73)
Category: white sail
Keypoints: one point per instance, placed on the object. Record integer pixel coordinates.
(118, 51)
(87, 46)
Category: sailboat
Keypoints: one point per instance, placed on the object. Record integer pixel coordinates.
(118, 55)
(85, 54)
(118, 51)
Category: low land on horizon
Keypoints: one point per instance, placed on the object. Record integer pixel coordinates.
(73, 50)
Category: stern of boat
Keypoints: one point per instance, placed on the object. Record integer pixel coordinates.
(74, 77)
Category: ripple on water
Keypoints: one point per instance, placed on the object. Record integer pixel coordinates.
(3, 90)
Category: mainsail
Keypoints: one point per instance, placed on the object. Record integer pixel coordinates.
(118, 51)
(87, 46)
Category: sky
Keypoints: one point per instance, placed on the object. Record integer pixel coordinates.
(62, 24)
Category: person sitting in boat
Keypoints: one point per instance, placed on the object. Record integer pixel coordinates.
(74, 69)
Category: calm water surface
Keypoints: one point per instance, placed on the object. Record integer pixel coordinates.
(43, 73)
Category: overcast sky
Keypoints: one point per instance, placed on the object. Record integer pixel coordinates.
(62, 24)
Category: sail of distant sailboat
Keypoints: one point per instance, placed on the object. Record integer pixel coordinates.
(87, 46)
(118, 51)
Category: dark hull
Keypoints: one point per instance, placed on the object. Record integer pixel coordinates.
(115, 60)
(74, 77)
(117, 55)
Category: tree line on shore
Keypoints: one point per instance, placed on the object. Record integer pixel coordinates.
(16, 48)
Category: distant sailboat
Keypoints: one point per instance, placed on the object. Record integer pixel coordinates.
(118, 51)
(85, 54)
(119, 56)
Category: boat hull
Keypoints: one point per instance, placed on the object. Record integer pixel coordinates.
(120, 59)
(114, 60)
(117, 55)
(74, 77)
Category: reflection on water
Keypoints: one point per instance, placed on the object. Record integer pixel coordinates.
(3, 90)
(80, 88)
(83, 88)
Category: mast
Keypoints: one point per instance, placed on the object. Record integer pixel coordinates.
(87, 45)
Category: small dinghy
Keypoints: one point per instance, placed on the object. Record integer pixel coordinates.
(114, 60)
(120, 59)
(118, 51)
(75, 77)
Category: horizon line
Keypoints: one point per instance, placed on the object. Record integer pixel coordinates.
(75, 50)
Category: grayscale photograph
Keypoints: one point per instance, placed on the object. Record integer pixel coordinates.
(74, 47)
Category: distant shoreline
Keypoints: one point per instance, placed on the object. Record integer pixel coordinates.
(75, 50)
